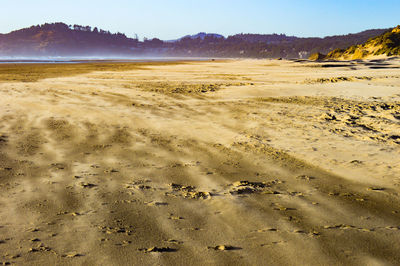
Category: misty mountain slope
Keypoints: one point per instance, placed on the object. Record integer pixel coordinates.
(59, 39)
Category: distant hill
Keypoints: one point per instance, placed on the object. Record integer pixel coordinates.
(386, 44)
(264, 38)
(267, 45)
(203, 35)
(59, 39)
(200, 36)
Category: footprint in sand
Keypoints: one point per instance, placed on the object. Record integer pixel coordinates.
(377, 189)
(58, 166)
(157, 249)
(310, 234)
(224, 248)
(305, 177)
(87, 185)
(116, 230)
(278, 207)
(174, 217)
(139, 185)
(124, 243)
(247, 187)
(110, 171)
(156, 203)
(273, 243)
(40, 248)
(266, 230)
(339, 226)
(72, 255)
(393, 228)
(174, 241)
(188, 192)
(3, 138)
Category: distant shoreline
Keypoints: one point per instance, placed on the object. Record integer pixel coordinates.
(32, 71)
(85, 61)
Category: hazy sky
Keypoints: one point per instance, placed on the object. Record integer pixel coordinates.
(170, 19)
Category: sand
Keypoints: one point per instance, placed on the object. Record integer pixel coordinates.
(240, 162)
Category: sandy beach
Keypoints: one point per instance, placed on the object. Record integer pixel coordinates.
(231, 162)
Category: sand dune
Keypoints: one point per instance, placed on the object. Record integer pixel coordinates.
(248, 162)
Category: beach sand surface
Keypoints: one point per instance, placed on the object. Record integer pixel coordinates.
(234, 162)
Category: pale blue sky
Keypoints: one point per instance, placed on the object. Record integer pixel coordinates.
(170, 19)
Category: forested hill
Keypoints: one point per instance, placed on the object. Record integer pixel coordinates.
(267, 45)
(63, 40)
(59, 39)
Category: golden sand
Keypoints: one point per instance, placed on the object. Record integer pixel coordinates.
(248, 162)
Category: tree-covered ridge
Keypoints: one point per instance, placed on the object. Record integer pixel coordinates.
(59, 39)
(267, 45)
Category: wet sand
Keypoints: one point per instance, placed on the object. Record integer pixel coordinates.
(246, 162)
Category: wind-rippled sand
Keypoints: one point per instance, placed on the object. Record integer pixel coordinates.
(249, 162)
